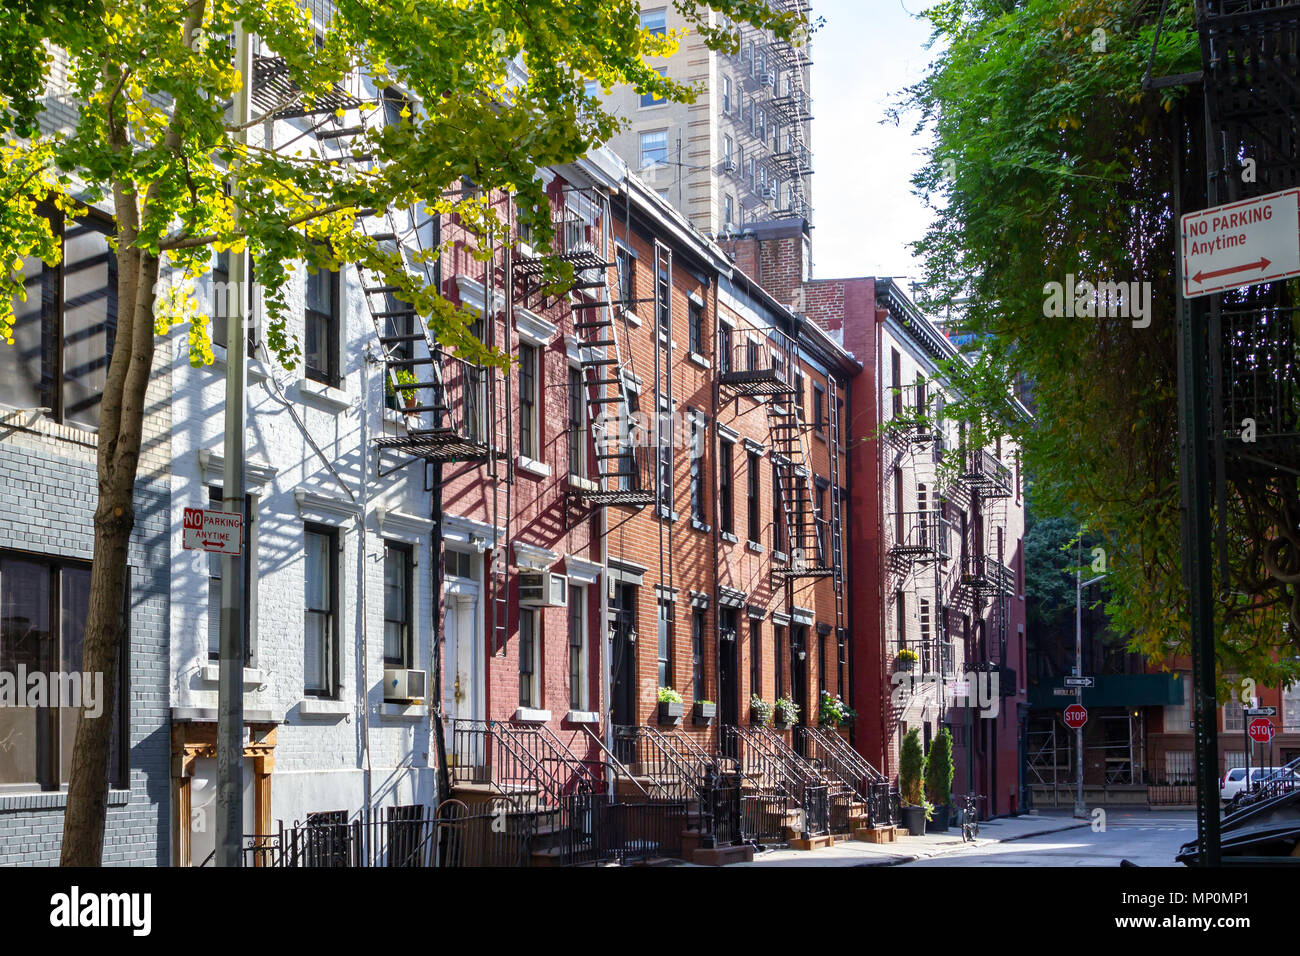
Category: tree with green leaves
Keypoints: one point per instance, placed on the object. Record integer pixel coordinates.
(497, 89)
(1052, 160)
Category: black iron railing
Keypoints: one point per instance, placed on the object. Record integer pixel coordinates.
(985, 574)
(981, 469)
(597, 829)
(921, 535)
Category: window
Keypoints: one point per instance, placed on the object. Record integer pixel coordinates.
(798, 396)
(458, 564)
(655, 21)
(476, 390)
(650, 99)
(923, 622)
(697, 488)
(577, 424)
(629, 476)
(821, 658)
(1178, 767)
(819, 407)
(725, 497)
(726, 99)
(222, 304)
(750, 173)
(664, 645)
(778, 510)
(753, 59)
(695, 323)
(751, 494)
(1233, 717)
(1291, 708)
(727, 154)
(321, 348)
(900, 618)
(896, 380)
(63, 333)
(823, 521)
(778, 660)
(699, 690)
(626, 262)
(1179, 716)
(44, 603)
(756, 656)
(250, 582)
(528, 393)
(398, 605)
(321, 611)
(841, 661)
(654, 149)
(728, 211)
(528, 655)
(762, 124)
(577, 647)
(725, 339)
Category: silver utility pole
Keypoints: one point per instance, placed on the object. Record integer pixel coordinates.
(234, 607)
(1079, 584)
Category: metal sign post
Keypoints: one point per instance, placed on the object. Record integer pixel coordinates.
(234, 607)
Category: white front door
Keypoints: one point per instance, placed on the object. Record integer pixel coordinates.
(462, 697)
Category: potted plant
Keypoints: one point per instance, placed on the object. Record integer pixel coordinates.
(785, 713)
(703, 712)
(407, 396)
(760, 711)
(938, 779)
(833, 712)
(911, 768)
(905, 659)
(671, 707)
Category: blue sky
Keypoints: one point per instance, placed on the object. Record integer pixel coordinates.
(864, 212)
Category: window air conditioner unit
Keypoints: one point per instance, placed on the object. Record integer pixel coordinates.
(404, 685)
(543, 589)
(771, 79)
(729, 166)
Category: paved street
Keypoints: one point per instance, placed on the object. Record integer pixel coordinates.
(1143, 837)
(1049, 839)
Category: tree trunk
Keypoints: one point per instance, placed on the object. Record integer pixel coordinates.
(121, 429)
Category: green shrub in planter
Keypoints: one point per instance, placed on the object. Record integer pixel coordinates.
(911, 768)
(760, 711)
(939, 770)
(786, 712)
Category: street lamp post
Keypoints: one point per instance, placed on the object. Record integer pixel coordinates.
(1079, 584)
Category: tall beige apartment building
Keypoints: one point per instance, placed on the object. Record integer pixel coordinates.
(740, 153)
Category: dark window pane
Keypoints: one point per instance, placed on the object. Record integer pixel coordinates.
(25, 641)
(89, 317)
(22, 365)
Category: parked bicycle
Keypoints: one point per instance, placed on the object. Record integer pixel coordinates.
(970, 827)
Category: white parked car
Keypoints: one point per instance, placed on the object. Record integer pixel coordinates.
(1234, 781)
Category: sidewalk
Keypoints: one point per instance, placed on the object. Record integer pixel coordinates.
(907, 849)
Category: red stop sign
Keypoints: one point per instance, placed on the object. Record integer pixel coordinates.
(1261, 730)
(1076, 715)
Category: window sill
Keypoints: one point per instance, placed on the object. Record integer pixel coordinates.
(586, 484)
(533, 467)
(324, 396)
(320, 707)
(404, 711)
(393, 417)
(698, 359)
(728, 536)
(665, 515)
(631, 318)
(699, 525)
(52, 800)
(755, 547)
(582, 717)
(211, 674)
(531, 715)
(780, 556)
(819, 434)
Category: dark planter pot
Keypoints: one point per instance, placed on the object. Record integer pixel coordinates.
(756, 718)
(914, 820)
(670, 713)
(703, 714)
(781, 721)
(901, 664)
(938, 822)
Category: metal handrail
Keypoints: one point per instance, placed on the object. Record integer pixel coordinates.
(613, 761)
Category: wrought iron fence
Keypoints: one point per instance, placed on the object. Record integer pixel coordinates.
(596, 829)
